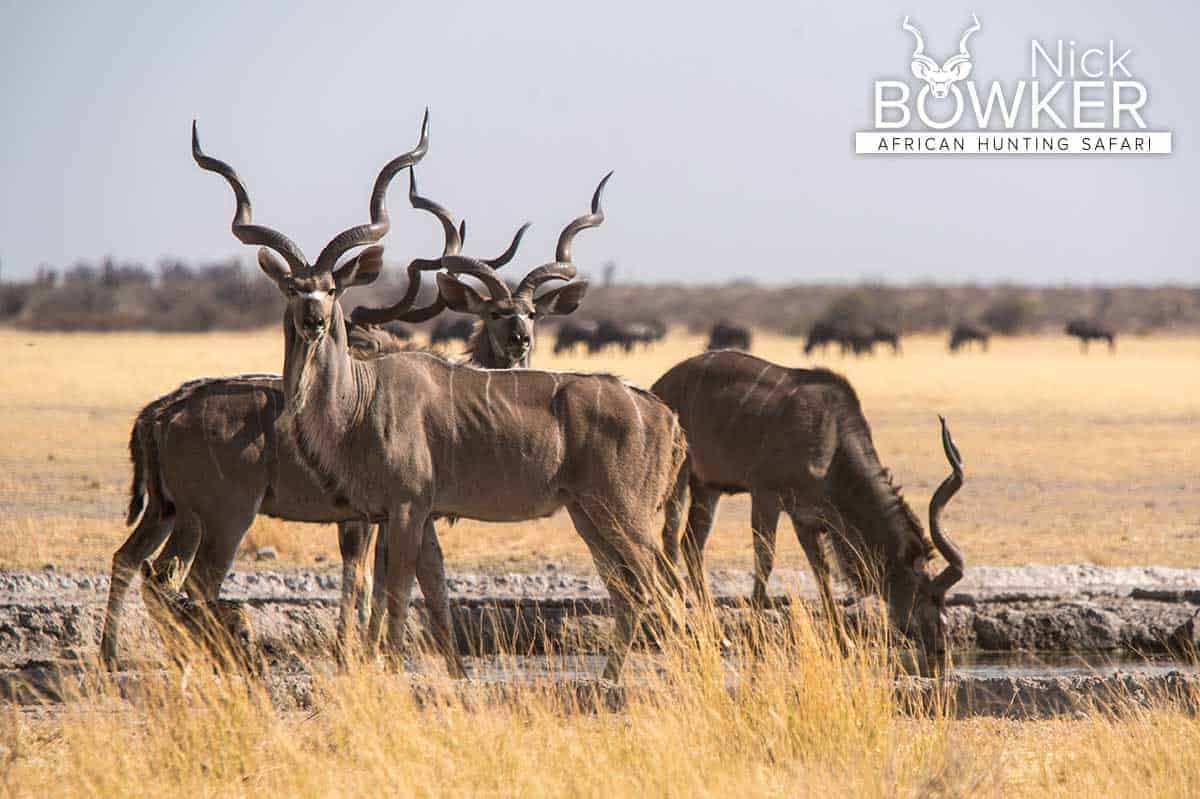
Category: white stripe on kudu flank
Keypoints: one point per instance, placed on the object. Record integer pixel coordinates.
(754, 385)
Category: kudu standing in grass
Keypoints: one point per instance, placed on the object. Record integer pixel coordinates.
(209, 456)
(503, 335)
(798, 442)
(411, 437)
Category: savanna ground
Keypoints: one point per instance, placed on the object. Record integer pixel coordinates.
(1068, 458)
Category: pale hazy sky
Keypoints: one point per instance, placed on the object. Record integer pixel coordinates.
(730, 127)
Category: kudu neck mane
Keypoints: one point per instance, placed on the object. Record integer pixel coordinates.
(874, 527)
(481, 351)
(326, 393)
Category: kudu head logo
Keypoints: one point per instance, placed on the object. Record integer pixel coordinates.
(956, 68)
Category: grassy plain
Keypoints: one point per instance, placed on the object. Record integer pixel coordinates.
(797, 719)
(1069, 458)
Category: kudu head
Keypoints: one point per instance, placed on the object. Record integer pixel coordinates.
(312, 291)
(917, 598)
(484, 269)
(507, 316)
(940, 77)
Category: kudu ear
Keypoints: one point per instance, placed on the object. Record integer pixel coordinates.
(361, 270)
(458, 296)
(173, 573)
(562, 300)
(274, 267)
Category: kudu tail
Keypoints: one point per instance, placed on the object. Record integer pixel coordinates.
(146, 488)
(675, 499)
(137, 487)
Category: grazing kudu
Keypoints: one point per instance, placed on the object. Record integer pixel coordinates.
(209, 456)
(798, 442)
(965, 333)
(1087, 329)
(726, 335)
(411, 437)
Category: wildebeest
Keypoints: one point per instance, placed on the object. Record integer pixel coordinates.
(450, 329)
(964, 333)
(571, 334)
(886, 334)
(625, 335)
(645, 333)
(1087, 329)
(851, 338)
(726, 335)
(797, 440)
(822, 333)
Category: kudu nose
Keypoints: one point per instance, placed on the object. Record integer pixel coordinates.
(313, 320)
(519, 339)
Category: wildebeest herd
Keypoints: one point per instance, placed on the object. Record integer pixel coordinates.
(367, 432)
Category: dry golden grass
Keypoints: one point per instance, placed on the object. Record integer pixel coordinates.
(1069, 458)
(800, 720)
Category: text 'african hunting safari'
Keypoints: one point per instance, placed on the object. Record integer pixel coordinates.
(363, 429)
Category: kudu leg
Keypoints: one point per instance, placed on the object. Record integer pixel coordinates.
(611, 570)
(222, 533)
(179, 552)
(699, 524)
(809, 534)
(764, 519)
(151, 531)
(378, 586)
(406, 529)
(364, 590)
(673, 517)
(354, 541)
(431, 576)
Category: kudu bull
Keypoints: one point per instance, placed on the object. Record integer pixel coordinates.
(503, 337)
(798, 442)
(209, 456)
(940, 77)
(410, 437)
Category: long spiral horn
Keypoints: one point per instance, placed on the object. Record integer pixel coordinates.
(243, 228)
(562, 268)
(380, 222)
(955, 563)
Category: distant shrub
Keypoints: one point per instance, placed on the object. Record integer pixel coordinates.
(1012, 314)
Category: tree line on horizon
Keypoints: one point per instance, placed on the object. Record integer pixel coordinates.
(224, 295)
